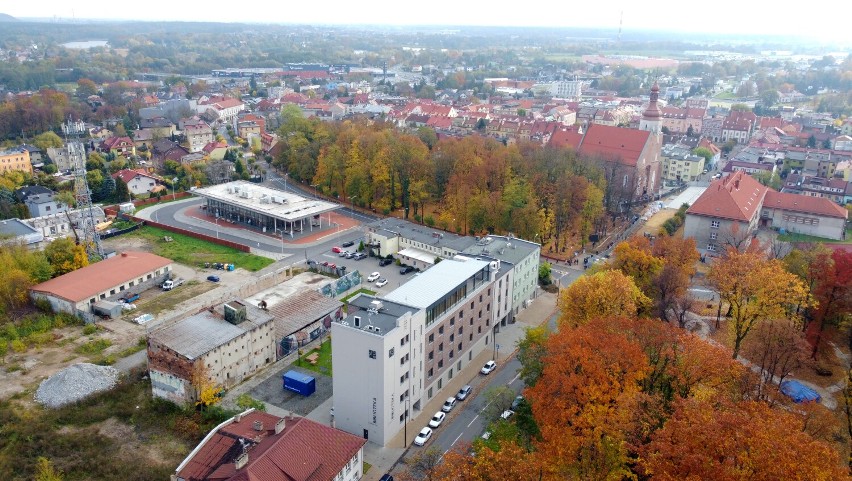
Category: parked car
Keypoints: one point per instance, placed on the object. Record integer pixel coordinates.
(517, 402)
(488, 367)
(385, 262)
(332, 266)
(336, 249)
(349, 255)
(449, 404)
(213, 278)
(507, 414)
(381, 282)
(406, 269)
(423, 436)
(348, 244)
(344, 254)
(464, 392)
(437, 419)
(373, 277)
(359, 256)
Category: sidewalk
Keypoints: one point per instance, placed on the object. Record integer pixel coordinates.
(384, 459)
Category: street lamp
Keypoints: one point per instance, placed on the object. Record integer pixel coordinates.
(217, 225)
(316, 191)
(174, 181)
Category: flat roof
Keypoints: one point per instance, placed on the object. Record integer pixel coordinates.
(418, 254)
(507, 249)
(196, 335)
(93, 279)
(384, 318)
(279, 204)
(420, 233)
(15, 228)
(427, 288)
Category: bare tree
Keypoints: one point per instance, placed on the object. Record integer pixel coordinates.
(422, 465)
(219, 171)
(736, 237)
(681, 306)
(776, 347)
(778, 249)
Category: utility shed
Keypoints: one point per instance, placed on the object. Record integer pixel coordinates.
(108, 309)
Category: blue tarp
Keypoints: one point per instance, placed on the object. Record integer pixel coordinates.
(799, 392)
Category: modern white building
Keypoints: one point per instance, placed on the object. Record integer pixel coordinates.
(519, 286)
(392, 355)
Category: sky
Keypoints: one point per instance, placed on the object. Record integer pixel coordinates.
(720, 16)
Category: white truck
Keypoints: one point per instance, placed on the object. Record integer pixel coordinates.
(171, 284)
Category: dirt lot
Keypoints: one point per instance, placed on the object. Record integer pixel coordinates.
(114, 338)
(655, 223)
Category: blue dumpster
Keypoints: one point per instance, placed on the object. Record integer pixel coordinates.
(301, 383)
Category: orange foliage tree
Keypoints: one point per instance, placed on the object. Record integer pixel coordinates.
(748, 440)
(756, 289)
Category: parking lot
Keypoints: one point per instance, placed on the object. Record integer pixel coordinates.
(272, 391)
(366, 267)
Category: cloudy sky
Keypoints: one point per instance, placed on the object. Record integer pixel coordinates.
(720, 16)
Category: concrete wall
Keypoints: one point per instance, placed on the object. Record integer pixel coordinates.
(809, 224)
(231, 363)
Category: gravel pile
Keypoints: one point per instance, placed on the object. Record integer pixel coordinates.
(75, 383)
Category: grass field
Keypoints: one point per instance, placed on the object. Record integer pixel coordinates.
(193, 252)
(323, 365)
(359, 291)
(725, 96)
(792, 237)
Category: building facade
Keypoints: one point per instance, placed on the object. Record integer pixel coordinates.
(15, 159)
(221, 346)
(197, 136)
(680, 165)
(393, 355)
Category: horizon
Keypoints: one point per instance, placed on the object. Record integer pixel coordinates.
(748, 21)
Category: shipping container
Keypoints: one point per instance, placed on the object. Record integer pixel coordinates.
(298, 382)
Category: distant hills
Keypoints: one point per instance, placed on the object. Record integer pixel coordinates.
(7, 18)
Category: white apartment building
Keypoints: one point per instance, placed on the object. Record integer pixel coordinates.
(393, 355)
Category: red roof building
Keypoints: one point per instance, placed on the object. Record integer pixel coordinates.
(258, 446)
(729, 212)
(104, 280)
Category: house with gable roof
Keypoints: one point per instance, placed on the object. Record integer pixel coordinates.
(138, 181)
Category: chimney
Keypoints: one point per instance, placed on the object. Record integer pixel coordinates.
(241, 462)
(124, 254)
(280, 425)
(258, 426)
(737, 184)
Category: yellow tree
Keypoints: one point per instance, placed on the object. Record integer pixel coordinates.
(206, 390)
(756, 289)
(634, 259)
(605, 294)
(65, 256)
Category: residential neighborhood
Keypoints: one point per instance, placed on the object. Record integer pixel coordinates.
(289, 251)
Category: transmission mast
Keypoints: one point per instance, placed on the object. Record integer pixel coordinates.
(82, 194)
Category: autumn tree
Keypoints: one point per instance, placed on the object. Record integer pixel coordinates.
(47, 140)
(531, 351)
(833, 290)
(423, 464)
(608, 293)
(206, 389)
(634, 259)
(776, 347)
(65, 256)
(707, 439)
(756, 289)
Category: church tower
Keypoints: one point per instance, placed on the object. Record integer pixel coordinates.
(652, 119)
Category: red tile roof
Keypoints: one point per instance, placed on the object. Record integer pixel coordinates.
(89, 281)
(804, 204)
(304, 450)
(736, 197)
(566, 138)
(127, 175)
(625, 145)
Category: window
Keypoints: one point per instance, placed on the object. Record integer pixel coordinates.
(471, 304)
(440, 364)
(453, 321)
(441, 330)
(112, 291)
(479, 329)
(714, 224)
(461, 330)
(431, 337)
(441, 347)
(451, 354)
(429, 376)
(470, 337)
(460, 347)
(714, 235)
(431, 355)
(452, 337)
(711, 247)
(372, 354)
(390, 353)
(480, 298)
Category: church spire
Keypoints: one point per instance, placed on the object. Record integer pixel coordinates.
(652, 117)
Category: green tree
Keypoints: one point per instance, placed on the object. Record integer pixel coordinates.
(122, 192)
(704, 152)
(47, 140)
(531, 352)
(65, 256)
(812, 141)
(544, 270)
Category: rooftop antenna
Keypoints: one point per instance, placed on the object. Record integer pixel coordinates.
(77, 154)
